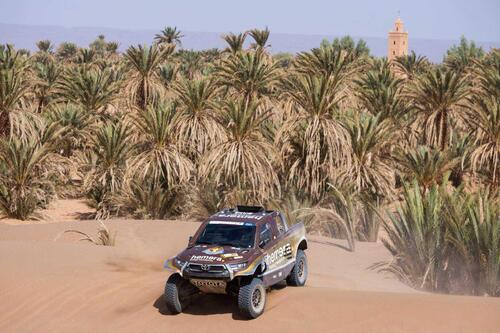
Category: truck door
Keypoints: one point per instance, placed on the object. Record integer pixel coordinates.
(278, 251)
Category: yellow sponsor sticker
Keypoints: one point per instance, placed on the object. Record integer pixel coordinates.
(229, 255)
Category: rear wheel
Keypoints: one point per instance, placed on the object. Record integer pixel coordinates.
(178, 293)
(298, 275)
(252, 299)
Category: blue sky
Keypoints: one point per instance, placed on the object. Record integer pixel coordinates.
(438, 19)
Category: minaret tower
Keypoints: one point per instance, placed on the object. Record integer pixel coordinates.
(397, 41)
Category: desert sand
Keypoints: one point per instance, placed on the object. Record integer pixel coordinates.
(51, 282)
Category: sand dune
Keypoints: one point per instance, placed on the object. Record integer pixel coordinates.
(50, 282)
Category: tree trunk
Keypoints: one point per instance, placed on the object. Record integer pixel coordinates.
(4, 124)
(444, 129)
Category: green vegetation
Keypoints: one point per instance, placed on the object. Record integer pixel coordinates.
(333, 136)
(446, 240)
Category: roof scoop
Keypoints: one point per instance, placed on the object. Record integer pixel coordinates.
(250, 209)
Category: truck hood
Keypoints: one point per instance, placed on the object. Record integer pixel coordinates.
(213, 254)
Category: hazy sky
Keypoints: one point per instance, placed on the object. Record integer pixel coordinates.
(439, 19)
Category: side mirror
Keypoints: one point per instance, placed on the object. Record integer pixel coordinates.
(264, 241)
(190, 239)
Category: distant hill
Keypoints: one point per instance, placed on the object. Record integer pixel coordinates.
(25, 36)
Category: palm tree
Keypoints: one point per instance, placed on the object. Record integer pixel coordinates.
(488, 77)
(144, 83)
(357, 50)
(192, 63)
(10, 58)
(474, 235)
(28, 166)
(160, 155)
(415, 238)
(45, 52)
(99, 45)
(147, 199)
(168, 75)
(46, 80)
(292, 205)
(460, 57)
(284, 59)
(45, 46)
(22, 183)
(260, 37)
(484, 121)
(76, 124)
(438, 98)
(380, 92)
(169, 36)
(93, 89)
(369, 174)
(198, 125)
(244, 160)
(67, 51)
(14, 85)
(235, 42)
(412, 65)
(248, 74)
(105, 166)
(314, 141)
(338, 210)
(29, 126)
(369, 171)
(425, 165)
(86, 57)
(326, 61)
(112, 47)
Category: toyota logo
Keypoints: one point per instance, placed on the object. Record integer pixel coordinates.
(204, 267)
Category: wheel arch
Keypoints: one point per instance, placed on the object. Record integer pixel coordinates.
(302, 245)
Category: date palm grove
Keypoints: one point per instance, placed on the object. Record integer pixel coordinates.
(355, 146)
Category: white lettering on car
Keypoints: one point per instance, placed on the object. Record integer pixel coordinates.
(205, 258)
(284, 251)
(240, 215)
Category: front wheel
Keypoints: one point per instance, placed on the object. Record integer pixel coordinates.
(177, 293)
(252, 299)
(298, 275)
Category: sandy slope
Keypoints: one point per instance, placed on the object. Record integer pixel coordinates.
(62, 285)
(58, 210)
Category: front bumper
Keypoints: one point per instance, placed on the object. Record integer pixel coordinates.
(201, 271)
(207, 271)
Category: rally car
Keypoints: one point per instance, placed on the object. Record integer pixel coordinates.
(240, 252)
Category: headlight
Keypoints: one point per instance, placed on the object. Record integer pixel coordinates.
(239, 266)
(179, 263)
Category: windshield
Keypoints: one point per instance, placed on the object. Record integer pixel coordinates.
(236, 234)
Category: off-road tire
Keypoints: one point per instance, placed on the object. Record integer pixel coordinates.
(298, 275)
(177, 293)
(252, 299)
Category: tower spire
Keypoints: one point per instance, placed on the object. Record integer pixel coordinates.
(397, 42)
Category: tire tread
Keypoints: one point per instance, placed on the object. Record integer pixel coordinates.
(293, 278)
(245, 299)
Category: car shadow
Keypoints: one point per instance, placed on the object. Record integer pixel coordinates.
(205, 305)
(211, 304)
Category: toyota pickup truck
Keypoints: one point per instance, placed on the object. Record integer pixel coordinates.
(240, 252)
